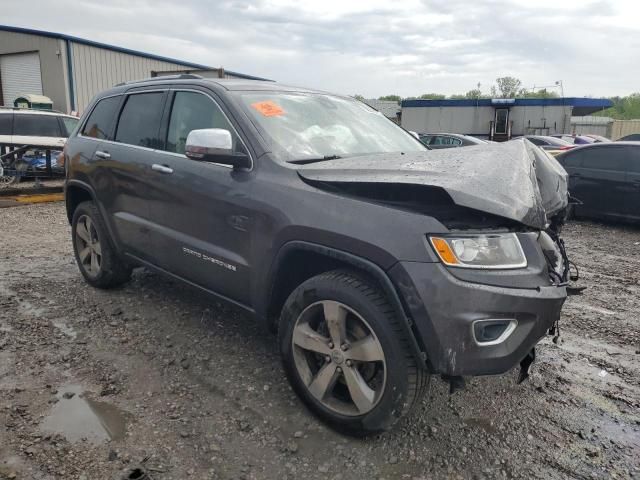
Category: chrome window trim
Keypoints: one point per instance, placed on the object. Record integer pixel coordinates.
(174, 154)
(513, 323)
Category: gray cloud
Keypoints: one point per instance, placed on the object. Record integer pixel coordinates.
(407, 47)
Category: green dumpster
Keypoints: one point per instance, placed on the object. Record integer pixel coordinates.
(30, 100)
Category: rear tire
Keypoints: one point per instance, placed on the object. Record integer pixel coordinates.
(97, 260)
(357, 390)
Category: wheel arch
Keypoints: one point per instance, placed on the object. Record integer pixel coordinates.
(286, 274)
(76, 192)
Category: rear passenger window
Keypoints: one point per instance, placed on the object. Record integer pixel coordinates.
(36, 125)
(140, 120)
(612, 158)
(5, 123)
(194, 111)
(101, 119)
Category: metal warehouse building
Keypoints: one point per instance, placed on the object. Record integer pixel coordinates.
(71, 70)
(499, 118)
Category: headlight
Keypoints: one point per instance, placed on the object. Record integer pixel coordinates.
(499, 250)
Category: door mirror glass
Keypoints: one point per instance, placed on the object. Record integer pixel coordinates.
(214, 145)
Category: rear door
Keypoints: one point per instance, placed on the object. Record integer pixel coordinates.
(600, 180)
(123, 168)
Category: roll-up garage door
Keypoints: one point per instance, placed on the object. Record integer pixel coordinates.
(20, 74)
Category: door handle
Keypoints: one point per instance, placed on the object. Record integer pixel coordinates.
(161, 168)
(103, 155)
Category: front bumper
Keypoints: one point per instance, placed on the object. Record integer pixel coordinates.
(444, 309)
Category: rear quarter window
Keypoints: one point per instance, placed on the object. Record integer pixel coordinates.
(36, 126)
(101, 119)
(68, 124)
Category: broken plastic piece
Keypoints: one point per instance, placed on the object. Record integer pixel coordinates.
(525, 364)
(574, 290)
(456, 383)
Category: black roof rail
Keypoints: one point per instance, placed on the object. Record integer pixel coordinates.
(182, 76)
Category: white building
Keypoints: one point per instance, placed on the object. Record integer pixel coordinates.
(498, 118)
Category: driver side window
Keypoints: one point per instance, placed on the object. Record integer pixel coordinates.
(194, 111)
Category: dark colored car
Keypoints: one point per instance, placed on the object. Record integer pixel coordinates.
(580, 139)
(378, 262)
(449, 140)
(598, 138)
(547, 142)
(605, 177)
(634, 137)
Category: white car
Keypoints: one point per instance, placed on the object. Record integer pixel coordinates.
(37, 128)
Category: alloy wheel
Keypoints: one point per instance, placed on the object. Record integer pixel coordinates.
(88, 246)
(339, 358)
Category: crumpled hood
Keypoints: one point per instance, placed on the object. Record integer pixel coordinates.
(515, 179)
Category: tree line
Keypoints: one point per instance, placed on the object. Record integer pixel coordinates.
(624, 108)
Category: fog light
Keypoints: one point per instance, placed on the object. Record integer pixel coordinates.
(493, 331)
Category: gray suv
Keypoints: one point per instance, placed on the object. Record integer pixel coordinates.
(379, 263)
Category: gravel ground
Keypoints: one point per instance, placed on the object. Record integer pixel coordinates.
(157, 376)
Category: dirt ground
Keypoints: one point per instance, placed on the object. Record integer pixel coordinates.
(155, 375)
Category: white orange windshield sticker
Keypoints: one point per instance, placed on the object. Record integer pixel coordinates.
(268, 108)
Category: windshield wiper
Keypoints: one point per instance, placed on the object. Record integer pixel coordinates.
(304, 161)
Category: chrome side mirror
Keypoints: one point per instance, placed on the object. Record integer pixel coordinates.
(214, 145)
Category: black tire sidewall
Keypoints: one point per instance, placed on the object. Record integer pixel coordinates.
(391, 405)
(110, 261)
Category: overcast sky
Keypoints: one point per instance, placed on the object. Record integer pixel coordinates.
(372, 47)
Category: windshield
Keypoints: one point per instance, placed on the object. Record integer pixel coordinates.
(309, 126)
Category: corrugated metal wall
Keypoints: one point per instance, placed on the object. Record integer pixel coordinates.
(51, 50)
(96, 69)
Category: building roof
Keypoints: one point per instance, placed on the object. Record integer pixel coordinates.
(389, 108)
(581, 106)
(113, 48)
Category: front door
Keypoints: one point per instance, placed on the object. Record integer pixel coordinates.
(201, 223)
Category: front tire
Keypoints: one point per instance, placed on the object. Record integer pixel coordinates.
(97, 260)
(346, 354)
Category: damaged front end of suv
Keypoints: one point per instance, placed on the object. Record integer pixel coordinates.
(502, 272)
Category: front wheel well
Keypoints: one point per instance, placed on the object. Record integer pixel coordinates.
(295, 268)
(75, 195)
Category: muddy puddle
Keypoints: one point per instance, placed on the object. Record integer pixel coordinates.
(81, 418)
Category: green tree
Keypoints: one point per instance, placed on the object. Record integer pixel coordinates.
(506, 87)
(624, 108)
(357, 96)
(542, 93)
(432, 96)
(395, 98)
(474, 93)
